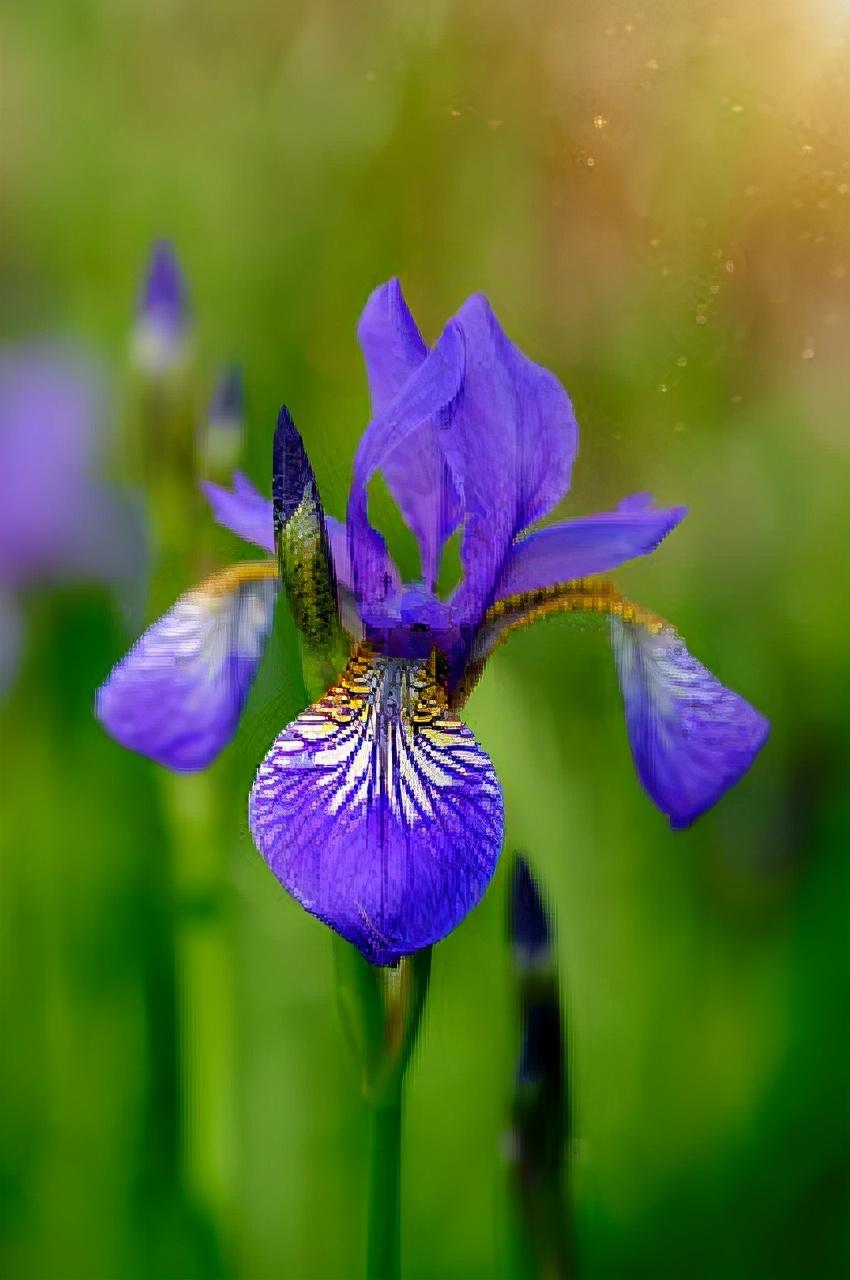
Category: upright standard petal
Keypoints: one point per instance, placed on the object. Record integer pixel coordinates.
(511, 447)
(580, 548)
(691, 737)
(426, 397)
(178, 694)
(392, 346)
(378, 811)
(416, 472)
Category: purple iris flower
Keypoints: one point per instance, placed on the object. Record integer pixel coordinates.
(58, 521)
(376, 808)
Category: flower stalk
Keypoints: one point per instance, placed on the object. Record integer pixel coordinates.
(403, 992)
(381, 1011)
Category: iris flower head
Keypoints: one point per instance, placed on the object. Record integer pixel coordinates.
(377, 808)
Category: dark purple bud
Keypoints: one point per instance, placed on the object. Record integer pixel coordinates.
(529, 928)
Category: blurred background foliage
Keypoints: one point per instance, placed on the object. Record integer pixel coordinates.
(656, 198)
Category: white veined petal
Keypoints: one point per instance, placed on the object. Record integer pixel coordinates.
(691, 737)
(178, 694)
(378, 810)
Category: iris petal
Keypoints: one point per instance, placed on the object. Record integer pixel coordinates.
(425, 396)
(691, 737)
(416, 473)
(178, 694)
(392, 346)
(593, 544)
(511, 447)
(245, 512)
(378, 810)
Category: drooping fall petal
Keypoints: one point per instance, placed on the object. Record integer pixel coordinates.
(691, 737)
(378, 810)
(178, 694)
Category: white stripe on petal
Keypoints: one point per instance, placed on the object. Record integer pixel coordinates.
(178, 694)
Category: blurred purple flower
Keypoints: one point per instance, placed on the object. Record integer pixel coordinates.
(376, 808)
(162, 330)
(58, 521)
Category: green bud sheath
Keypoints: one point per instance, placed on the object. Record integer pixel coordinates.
(306, 565)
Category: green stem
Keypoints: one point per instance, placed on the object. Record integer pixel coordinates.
(204, 997)
(202, 977)
(382, 1243)
(381, 1011)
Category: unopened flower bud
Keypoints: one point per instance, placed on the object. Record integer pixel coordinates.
(162, 331)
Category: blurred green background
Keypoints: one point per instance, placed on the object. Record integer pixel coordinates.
(656, 199)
